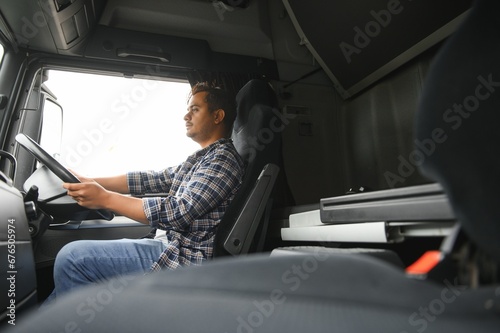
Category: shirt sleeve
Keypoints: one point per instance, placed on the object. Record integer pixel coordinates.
(213, 182)
(142, 182)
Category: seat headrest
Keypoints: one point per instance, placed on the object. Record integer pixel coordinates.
(458, 121)
(257, 121)
(255, 92)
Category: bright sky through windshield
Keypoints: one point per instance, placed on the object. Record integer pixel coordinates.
(113, 125)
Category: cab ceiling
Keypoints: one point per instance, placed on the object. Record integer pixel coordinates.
(243, 31)
(40, 24)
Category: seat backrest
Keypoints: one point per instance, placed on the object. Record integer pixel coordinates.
(458, 118)
(251, 213)
(259, 144)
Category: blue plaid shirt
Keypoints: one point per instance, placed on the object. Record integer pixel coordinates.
(198, 194)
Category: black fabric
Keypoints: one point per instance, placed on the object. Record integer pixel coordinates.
(310, 293)
(253, 137)
(255, 141)
(256, 93)
(458, 121)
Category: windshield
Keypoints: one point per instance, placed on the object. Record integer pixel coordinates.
(112, 125)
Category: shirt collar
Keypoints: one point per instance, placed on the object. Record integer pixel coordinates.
(211, 146)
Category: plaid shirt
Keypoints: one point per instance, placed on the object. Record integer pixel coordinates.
(198, 193)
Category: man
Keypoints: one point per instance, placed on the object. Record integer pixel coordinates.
(184, 222)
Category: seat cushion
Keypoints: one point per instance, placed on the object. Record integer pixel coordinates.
(303, 293)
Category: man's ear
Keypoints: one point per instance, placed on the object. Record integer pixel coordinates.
(219, 116)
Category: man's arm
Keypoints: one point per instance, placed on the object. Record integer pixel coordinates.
(93, 195)
(116, 184)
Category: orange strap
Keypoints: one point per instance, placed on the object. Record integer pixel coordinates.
(425, 263)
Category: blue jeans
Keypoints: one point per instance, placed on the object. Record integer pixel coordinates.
(85, 262)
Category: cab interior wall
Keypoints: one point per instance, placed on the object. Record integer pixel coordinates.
(339, 144)
(364, 141)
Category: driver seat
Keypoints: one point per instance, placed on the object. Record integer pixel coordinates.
(260, 148)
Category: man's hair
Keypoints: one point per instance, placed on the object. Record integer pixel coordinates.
(218, 98)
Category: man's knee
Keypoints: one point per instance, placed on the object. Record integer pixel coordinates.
(67, 255)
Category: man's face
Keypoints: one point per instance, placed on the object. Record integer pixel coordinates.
(200, 123)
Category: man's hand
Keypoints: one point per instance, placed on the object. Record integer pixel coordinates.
(81, 178)
(88, 194)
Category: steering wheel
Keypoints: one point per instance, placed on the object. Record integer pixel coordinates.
(55, 167)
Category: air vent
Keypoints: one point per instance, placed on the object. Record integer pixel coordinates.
(296, 110)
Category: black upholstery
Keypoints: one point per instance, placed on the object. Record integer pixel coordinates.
(252, 215)
(461, 100)
(310, 293)
(259, 145)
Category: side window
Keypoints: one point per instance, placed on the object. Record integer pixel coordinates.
(52, 126)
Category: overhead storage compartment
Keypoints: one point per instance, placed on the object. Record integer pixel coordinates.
(53, 26)
(359, 42)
